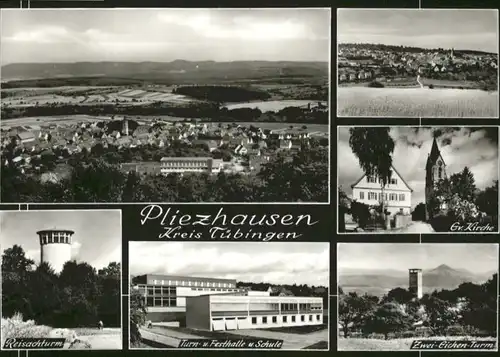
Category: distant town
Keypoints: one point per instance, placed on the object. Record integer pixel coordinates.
(391, 65)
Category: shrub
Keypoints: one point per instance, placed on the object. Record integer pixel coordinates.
(456, 330)
(375, 84)
(431, 86)
(15, 327)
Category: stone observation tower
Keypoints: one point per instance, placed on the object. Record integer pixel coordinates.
(55, 247)
(415, 283)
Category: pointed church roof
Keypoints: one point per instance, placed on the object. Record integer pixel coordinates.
(434, 154)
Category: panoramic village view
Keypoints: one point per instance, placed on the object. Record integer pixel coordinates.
(418, 179)
(418, 63)
(107, 117)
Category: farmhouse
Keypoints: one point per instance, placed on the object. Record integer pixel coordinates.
(397, 194)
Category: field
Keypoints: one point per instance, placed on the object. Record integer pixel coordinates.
(398, 344)
(416, 102)
(90, 95)
(79, 338)
(272, 105)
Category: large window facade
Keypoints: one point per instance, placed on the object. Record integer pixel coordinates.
(159, 296)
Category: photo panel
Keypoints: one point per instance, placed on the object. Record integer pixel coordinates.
(421, 297)
(421, 180)
(229, 295)
(214, 107)
(61, 279)
(417, 62)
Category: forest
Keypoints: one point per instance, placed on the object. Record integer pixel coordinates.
(79, 296)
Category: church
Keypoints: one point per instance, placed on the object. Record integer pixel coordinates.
(397, 192)
(435, 170)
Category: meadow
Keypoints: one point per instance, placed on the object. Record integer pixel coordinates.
(271, 105)
(396, 344)
(90, 95)
(416, 102)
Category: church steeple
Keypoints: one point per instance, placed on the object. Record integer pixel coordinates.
(435, 170)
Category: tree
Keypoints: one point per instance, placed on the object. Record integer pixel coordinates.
(487, 200)
(399, 295)
(138, 313)
(418, 213)
(354, 310)
(14, 260)
(440, 314)
(480, 306)
(463, 184)
(109, 280)
(373, 147)
(388, 318)
(15, 271)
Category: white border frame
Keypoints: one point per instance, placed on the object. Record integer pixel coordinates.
(329, 325)
(121, 276)
(329, 9)
(418, 9)
(415, 233)
(417, 350)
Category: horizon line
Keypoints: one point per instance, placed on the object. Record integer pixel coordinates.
(174, 60)
(419, 47)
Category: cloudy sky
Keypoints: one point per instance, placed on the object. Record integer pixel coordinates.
(459, 29)
(270, 262)
(164, 35)
(459, 147)
(97, 239)
(476, 258)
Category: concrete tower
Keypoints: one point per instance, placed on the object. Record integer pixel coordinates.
(415, 282)
(55, 247)
(435, 170)
(125, 126)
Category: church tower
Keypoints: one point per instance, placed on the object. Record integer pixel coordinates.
(435, 170)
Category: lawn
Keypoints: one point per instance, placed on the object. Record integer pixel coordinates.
(321, 345)
(416, 102)
(145, 343)
(78, 338)
(397, 344)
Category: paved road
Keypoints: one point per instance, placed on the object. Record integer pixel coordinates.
(418, 227)
(291, 341)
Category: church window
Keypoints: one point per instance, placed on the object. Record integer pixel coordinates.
(440, 172)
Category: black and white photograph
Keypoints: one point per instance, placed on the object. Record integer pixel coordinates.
(61, 279)
(434, 63)
(229, 295)
(404, 179)
(402, 296)
(165, 105)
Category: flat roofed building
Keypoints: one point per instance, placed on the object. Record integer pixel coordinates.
(165, 295)
(229, 312)
(190, 164)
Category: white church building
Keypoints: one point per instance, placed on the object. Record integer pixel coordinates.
(397, 192)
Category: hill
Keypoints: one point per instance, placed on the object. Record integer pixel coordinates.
(178, 71)
(379, 282)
